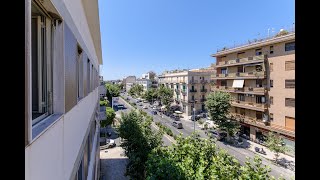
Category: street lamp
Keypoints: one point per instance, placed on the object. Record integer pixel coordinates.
(194, 116)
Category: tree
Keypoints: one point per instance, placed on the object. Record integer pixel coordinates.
(275, 144)
(218, 105)
(151, 94)
(136, 90)
(198, 158)
(110, 114)
(112, 91)
(139, 140)
(165, 95)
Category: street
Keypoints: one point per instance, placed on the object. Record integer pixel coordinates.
(188, 127)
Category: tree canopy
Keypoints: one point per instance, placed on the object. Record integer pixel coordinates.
(198, 158)
(165, 95)
(136, 90)
(218, 104)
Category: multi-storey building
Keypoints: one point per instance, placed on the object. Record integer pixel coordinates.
(62, 58)
(146, 83)
(129, 82)
(261, 79)
(190, 88)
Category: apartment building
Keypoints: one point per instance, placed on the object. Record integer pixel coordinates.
(62, 58)
(261, 79)
(146, 83)
(190, 88)
(129, 82)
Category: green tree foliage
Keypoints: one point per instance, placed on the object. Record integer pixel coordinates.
(198, 158)
(151, 94)
(139, 140)
(104, 102)
(218, 104)
(112, 91)
(276, 144)
(165, 95)
(136, 90)
(110, 117)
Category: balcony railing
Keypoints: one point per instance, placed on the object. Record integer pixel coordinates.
(203, 99)
(193, 81)
(250, 90)
(184, 92)
(177, 90)
(203, 81)
(239, 61)
(193, 101)
(250, 105)
(181, 81)
(203, 90)
(253, 74)
(193, 90)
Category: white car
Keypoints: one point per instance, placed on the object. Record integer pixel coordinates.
(145, 107)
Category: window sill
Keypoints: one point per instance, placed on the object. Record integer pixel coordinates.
(43, 125)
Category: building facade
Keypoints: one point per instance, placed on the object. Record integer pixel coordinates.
(190, 88)
(62, 58)
(146, 83)
(261, 79)
(129, 82)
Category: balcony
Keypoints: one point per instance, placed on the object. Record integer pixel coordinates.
(193, 90)
(193, 81)
(177, 91)
(244, 75)
(203, 90)
(203, 99)
(244, 90)
(203, 81)
(249, 105)
(182, 81)
(184, 92)
(193, 101)
(242, 61)
(259, 123)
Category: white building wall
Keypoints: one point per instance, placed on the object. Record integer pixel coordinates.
(52, 155)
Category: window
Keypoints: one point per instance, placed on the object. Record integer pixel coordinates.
(41, 64)
(271, 116)
(88, 76)
(271, 49)
(240, 69)
(192, 97)
(271, 66)
(259, 82)
(79, 72)
(290, 83)
(259, 115)
(290, 46)
(290, 65)
(258, 52)
(241, 97)
(242, 111)
(223, 83)
(224, 71)
(260, 99)
(271, 100)
(271, 83)
(192, 88)
(290, 102)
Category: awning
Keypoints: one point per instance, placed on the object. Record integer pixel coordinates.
(178, 112)
(238, 83)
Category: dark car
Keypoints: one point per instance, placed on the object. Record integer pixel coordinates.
(218, 134)
(197, 117)
(178, 125)
(154, 112)
(120, 106)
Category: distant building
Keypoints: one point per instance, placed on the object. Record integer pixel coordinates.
(129, 82)
(146, 83)
(190, 88)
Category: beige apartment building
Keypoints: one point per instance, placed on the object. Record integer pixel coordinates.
(190, 88)
(261, 79)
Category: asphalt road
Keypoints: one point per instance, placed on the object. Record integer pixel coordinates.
(188, 127)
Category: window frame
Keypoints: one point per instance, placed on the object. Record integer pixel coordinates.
(288, 101)
(290, 46)
(287, 83)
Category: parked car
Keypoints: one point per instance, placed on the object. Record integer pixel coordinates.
(178, 125)
(154, 112)
(145, 101)
(218, 134)
(145, 107)
(197, 117)
(107, 143)
(120, 106)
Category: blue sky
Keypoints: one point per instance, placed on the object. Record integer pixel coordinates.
(142, 35)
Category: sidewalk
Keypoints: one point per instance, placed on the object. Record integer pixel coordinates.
(283, 159)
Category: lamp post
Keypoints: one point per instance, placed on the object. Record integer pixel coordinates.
(194, 116)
